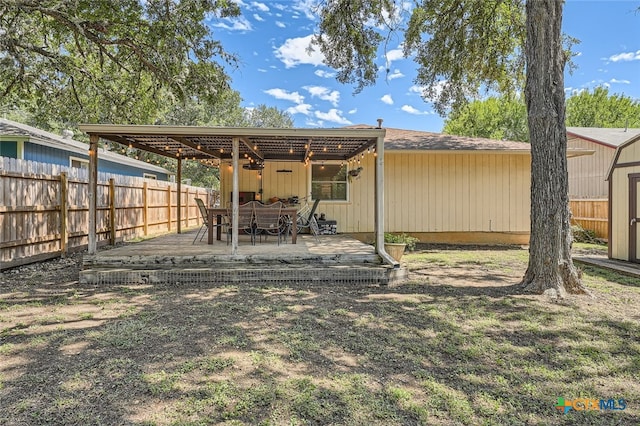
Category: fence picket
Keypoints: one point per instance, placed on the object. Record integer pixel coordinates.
(31, 214)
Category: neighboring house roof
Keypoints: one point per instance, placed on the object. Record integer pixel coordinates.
(41, 137)
(613, 137)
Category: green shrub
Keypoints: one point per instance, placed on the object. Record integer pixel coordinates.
(401, 239)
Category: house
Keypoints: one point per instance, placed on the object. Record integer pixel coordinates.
(439, 188)
(24, 142)
(588, 174)
(624, 201)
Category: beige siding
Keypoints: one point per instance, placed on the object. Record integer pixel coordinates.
(587, 173)
(424, 192)
(457, 193)
(619, 238)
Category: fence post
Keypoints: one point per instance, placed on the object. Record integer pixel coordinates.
(145, 208)
(64, 214)
(112, 211)
(169, 208)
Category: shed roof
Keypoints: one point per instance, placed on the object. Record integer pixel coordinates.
(42, 137)
(612, 137)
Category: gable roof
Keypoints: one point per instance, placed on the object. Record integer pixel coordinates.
(42, 137)
(611, 137)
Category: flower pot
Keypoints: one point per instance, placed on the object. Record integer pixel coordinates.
(395, 250)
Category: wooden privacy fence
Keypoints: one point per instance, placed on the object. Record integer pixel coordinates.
(591, 214)
(44, 209)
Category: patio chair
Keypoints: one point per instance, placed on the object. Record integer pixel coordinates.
(269, 220)
(245, 220)
(205, 221)
(285, 221)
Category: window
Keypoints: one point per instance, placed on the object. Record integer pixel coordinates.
(79, 163)
(329, 182)
(154, 177)
(9, 149)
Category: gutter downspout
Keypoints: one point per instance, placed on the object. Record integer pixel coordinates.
(379, 203)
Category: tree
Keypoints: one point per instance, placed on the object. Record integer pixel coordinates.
(228, 112)
(600, 109)
(106, 61)
(503, 118)
(461, 47)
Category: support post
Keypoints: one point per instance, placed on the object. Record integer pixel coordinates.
(179, 197)
(169, 208)
(235, 200)
(379, 201)
(64, 214)
(145, 208)
(93, 192)
(112, 211)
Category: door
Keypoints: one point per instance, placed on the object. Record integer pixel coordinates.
(634, 217)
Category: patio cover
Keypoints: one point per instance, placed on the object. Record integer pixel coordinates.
(215, 144)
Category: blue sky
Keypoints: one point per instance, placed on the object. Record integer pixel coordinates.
(271, 39)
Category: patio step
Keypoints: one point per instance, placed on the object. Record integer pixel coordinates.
(225, 261)
(271, 274)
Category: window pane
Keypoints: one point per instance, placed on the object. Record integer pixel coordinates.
(329, 182)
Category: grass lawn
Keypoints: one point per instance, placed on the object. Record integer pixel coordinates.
(457, 345)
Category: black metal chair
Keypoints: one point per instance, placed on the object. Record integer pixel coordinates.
(205, 221)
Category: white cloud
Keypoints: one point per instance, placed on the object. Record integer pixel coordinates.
(615, 80)
(284, 95)
(234, 24)
(261, 70)
(260, 6)
(258, 17)
(324, 74)
(395, 74)
(280, 24)
(411, 110)
(625, 57)
(394, 55)
(422, 90)
(387, 99)
(294, 52)
(299, 109)
(333, 115)
(353, 111)
(306, 7)
(324, 93)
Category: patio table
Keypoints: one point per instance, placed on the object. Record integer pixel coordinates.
(219, 212)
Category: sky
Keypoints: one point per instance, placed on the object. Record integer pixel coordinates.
(271, 39)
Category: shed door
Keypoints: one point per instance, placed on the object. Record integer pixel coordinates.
(634, 218)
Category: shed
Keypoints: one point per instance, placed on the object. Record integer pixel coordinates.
(24, 142)
(624, 201)
(588, 174)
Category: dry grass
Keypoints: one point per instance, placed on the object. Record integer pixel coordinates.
(456, 345)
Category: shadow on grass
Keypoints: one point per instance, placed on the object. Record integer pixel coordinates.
(414, 354)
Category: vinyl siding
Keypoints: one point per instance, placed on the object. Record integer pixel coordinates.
(588, 173)
(46, 154)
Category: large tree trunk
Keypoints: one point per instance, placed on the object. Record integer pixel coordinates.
(550, 269)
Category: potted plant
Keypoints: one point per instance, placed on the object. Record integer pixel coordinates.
(395, 244)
